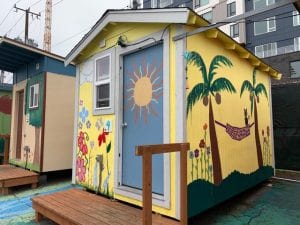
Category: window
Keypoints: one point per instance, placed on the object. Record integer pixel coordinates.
(231, 9)
(266, 50)
(102, 82)
(234, 30)
(200, 3)
(296, 18)
(258, 4)
(297, 44)
(34, 96)
(208, 16)
(265, 26)
(295, 69)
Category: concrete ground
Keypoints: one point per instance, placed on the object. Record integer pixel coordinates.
(276, 202)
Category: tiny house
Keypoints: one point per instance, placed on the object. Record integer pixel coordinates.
(42, 107)
(5, 118)
(143, 79)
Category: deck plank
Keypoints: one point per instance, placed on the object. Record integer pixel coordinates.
(79, 207)
(11, 176)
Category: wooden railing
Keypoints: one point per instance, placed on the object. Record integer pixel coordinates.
(146, 151)
(6, 147)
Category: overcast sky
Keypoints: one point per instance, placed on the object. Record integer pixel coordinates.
(71, 19)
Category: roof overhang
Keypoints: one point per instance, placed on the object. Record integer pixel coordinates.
(167, 15)
(297, 5)
(13, 54)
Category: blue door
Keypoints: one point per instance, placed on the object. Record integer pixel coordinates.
(142, 114)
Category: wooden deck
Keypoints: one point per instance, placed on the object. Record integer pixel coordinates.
(79, 207)
(11, 176)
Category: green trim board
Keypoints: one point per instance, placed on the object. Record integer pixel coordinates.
(22, 164)
(203, 195)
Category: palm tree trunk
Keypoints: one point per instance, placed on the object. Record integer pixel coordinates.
(258, 146)
(214, 147)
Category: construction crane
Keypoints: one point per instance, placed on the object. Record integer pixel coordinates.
(48, 20)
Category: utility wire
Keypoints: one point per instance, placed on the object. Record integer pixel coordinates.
(6, 15)
(14, 25)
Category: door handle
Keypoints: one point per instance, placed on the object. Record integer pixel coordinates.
(124, 125)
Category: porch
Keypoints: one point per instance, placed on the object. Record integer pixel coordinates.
(11, 176)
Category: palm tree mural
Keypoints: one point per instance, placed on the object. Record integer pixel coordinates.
(255, 90)
(207, 90)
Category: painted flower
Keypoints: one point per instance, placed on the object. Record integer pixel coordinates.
(88, 124)
(97, 125)
(202, 143)
(205, 126)
(263, 132)
(196, 151)
(191, 155)
(80, 169)
(208, 151)
(84, 149)
(92, 144)
(81, 102)
(80, 125)
(102, 137)
(83, 114)
(268, 131)
(80, 139)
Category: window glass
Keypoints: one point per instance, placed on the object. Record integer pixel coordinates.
(297, 43)
(102, 95)
(231, 9)
(208, 16)
(165, 3)
(102, 68)
(266, 50)
(200, 3)
(34, 96)
(265, 26)
(257, 4)
(295, 69)
(234, 30)
(296, 18)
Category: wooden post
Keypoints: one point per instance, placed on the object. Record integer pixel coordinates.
(147, 188)
(146, 152)
(6, 150)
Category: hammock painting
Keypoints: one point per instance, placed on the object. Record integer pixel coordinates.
(236, 133)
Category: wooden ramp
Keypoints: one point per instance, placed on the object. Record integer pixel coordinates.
(11, 176)
(79, 207)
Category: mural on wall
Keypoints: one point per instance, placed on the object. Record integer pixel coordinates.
(94, 140)
(255, 91)
(207, 160)
(207, 90)
(144, 88)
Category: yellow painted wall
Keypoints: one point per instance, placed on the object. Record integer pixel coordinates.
(28, 131)
(59, 122)
(235, 155)
(87, 169)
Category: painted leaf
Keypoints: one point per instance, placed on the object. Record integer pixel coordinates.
(108, 148)
(260, 89)
(246, 86)
(254, 77)
(196, 94)
(222, 84)
(217, 61)
(197, 60)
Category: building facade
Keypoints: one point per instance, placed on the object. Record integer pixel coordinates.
(166, 3)
(275, 32)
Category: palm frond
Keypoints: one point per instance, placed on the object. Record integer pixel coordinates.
(216, 62)
(260, 89)
(196, 93)
(222, 84)
(196, 59)
(246, 86)
(254, 77)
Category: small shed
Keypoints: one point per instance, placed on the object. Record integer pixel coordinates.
(5, 118)
(141, 82)
(42, 107)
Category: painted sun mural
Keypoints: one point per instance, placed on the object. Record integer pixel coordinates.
(144, 89)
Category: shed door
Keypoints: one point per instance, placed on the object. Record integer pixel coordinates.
(142, 114)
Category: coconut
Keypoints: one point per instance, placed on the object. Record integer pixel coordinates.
(205, 100)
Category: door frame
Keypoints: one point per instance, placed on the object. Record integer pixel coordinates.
(19, 133)
(145, 42)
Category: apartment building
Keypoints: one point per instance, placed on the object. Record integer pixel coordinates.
(167, 3)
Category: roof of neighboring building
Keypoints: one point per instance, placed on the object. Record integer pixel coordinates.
(5, 87)
(167, 16)
(14, 54)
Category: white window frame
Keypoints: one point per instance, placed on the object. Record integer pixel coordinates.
(297, 44)
(269, 28)
(36, 93)
(263, 52)
(208, 12)
(105, 80)
(296, 18)
(232, 30)
(230, 7)
(268, 2)
(199, 5)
